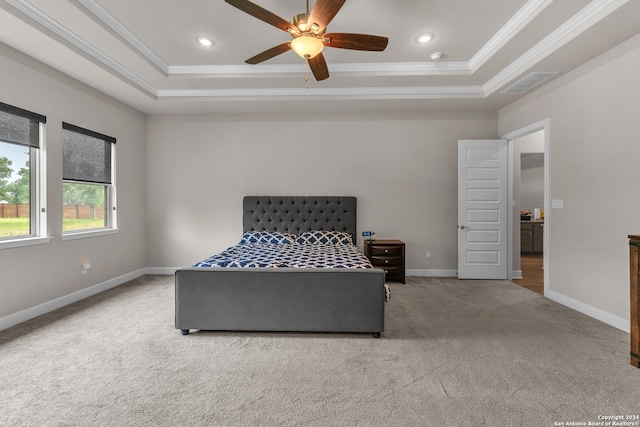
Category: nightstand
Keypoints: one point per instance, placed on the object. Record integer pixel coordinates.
(387, 255)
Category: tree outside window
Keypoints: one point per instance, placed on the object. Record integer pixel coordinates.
(15, 192)
(84, 206)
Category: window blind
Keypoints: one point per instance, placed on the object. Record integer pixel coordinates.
(20, 126)
(86, 155)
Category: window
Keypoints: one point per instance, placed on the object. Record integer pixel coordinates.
(88, 188)
(22, 206)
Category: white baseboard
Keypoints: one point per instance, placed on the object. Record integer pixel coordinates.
(162, 270)
(517, 274)
(596, 313)
(44, 308)
(432, 273)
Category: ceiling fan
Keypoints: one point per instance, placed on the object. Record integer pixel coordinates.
(309, 34)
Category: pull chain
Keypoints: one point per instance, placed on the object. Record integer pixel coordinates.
(306, 75)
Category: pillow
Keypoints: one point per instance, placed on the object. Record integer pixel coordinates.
(324, 237)
(273, 237)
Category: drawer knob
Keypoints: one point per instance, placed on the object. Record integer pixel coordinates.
(386, 251)
(386, 261)
(386, 271)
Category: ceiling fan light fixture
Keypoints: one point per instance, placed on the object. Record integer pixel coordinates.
(307, 46)
(309, 34)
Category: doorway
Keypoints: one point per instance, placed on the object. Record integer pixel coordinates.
(529, 190)
(529, 202)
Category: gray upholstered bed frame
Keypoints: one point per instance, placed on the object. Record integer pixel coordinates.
(284, 299)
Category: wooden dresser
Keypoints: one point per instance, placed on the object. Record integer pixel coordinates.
(634, 259)
(388, 255)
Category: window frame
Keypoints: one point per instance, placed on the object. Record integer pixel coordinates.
(37, 188)
(111, 217)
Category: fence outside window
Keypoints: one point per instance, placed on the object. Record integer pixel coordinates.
(12, 210)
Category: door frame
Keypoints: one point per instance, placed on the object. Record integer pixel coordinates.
(510, 137)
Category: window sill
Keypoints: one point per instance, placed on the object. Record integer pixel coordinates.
(27, 241)
(89, 233)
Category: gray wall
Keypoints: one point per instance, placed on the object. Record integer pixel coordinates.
(404, 173)
(35, 275)
(592, 158)
(402, 170)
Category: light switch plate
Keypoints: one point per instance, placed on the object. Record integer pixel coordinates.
(557, 204)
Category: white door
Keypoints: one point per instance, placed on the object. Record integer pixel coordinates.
(482, 209)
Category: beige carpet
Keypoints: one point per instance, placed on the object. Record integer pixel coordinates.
(454, 353)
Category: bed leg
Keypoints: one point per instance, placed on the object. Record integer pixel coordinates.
(184, 331)
(376, 334)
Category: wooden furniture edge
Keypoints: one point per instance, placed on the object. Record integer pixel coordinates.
(634, 248)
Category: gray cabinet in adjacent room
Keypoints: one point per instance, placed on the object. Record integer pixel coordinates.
(531, 237)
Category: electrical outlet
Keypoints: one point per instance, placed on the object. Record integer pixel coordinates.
(85, 266)
(428, 255)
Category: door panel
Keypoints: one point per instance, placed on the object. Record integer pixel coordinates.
(482, 209)
(483, 257)
(483, 215)
(483, 236)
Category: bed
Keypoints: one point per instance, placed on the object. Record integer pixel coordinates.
(284, 299)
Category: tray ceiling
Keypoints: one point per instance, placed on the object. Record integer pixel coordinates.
(144, 53)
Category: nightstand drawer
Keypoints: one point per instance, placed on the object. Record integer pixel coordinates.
(391, 261)
(386, 250)
(393, 273)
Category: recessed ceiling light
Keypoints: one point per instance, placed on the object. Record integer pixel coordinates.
(436, 56)
(424, 38)
(204, 41)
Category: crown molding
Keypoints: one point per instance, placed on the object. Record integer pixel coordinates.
(415, 92)
(577, 24)
(127, 35)
(525, 15)
(80, 43)
(342, 69)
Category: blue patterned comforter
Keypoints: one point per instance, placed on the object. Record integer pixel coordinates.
(289, 255)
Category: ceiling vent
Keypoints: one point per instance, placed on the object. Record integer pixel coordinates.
(529, 82)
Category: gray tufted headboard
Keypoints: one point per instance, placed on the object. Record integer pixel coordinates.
(295, 214)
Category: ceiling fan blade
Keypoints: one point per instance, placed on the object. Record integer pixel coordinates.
(356, 41)
(269, 53)
(324, 11)
(319, 67)
(262, 14)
